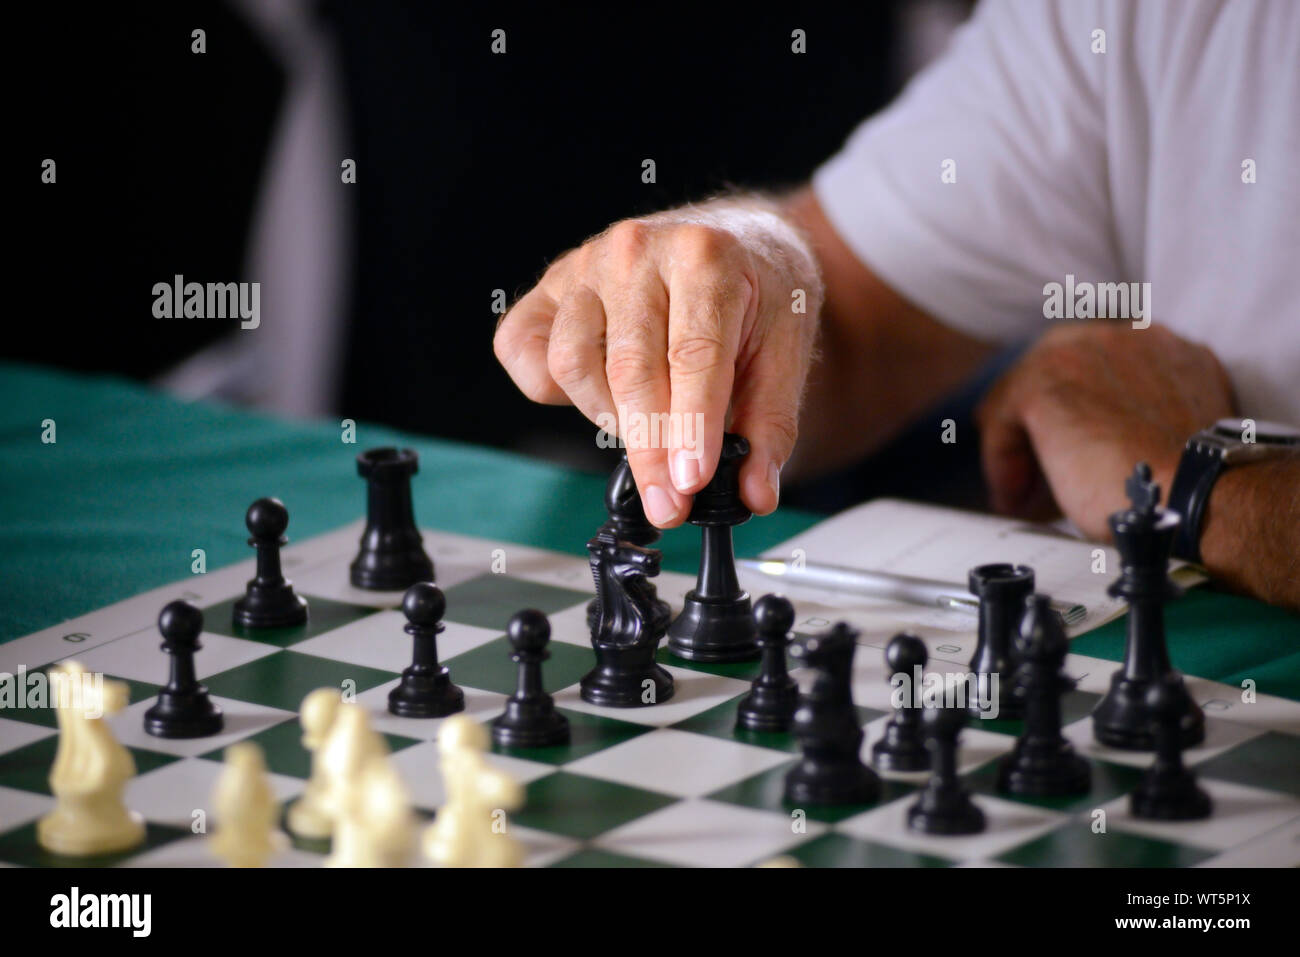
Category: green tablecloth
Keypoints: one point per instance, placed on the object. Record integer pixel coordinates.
(136, 480)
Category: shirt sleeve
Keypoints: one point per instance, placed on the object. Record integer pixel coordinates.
(1015, 104)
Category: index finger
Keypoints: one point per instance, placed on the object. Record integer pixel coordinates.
(707, 303)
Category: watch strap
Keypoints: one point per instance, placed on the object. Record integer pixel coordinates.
(1198, 470)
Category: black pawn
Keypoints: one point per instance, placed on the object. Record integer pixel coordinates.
(425, 690)
(772, 698)
(1144, 534)
(269, 601)
(1043, 763)
(716, 623)
(392, 554)
(627, 523)
(1168, 790)
(902, 747)
(530, 719)
(944, 807)
(183, 709)
(830, 770)
(1002, 590)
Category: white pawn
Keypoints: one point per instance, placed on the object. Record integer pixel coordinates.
(470, 829)
(376, 828)
(246, 809)
(90, 769)
(307, 816)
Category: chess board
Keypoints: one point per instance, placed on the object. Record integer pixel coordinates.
(673, 784)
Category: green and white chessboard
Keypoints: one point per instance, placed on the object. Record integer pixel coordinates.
(672, 784)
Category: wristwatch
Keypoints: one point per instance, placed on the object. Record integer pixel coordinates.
(1208, 453)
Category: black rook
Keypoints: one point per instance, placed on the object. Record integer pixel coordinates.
(392, 555)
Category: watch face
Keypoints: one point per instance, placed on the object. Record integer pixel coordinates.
(1269, 433)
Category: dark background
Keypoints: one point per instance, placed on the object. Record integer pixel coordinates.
(474, 170)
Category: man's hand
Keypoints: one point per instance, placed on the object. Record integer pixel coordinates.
(677, 318)
(1086, 403)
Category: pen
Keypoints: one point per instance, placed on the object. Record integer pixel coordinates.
(914, 591)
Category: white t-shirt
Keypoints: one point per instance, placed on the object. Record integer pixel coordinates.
(1126, 166)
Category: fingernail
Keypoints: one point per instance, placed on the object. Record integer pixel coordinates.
(774, 478)
(659, 507)
(685, 466)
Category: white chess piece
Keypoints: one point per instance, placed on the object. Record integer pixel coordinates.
(90, 769)
(307, 816)
(246, 809)
(470, 829)
(375, 828)
(348, 747)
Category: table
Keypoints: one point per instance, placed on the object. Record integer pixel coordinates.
(135, 480)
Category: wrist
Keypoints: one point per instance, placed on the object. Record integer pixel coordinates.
(1245, 500)
(1209, 457)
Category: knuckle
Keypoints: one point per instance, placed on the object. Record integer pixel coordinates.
(695, 354)
(505, 342)
(510, 345)
(630, 370)
(642, 457)
(533, 387)
(533, 381)
(783, 426)
(568, 362)
(576, 264)
(628, 240)
(698, 244)
(1058, 361)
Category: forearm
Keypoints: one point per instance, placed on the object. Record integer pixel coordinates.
(1250, 539)
(882, 361)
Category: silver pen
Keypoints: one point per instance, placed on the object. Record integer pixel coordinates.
(914, 591)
